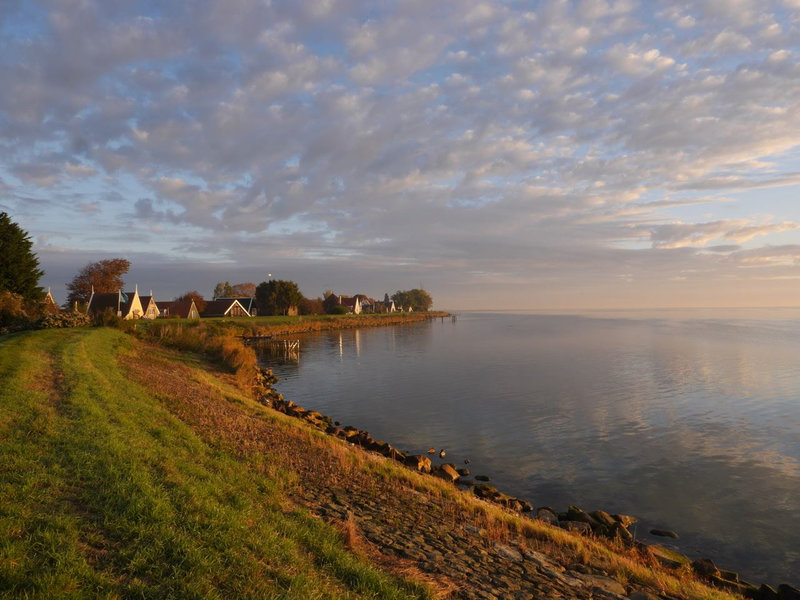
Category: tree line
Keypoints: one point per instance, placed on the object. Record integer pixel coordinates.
(20, 275)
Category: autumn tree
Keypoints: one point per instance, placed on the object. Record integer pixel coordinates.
(19, 266)
(199, 301)
(277, 297)
(105, 276)
(417, 299)
(244, 290)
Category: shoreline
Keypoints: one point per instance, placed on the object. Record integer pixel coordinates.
(596, 523)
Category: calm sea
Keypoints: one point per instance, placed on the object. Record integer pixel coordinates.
(689, 420)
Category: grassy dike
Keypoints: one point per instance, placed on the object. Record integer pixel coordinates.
(129, 469)
(104, 493)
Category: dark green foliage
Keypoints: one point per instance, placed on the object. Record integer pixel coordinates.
(337, 309)
(417, 299)
(277, 297)
(19, 266)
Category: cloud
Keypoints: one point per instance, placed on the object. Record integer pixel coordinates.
(569, 139)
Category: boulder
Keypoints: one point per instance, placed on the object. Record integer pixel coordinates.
(419, 462)
(548, 515)
(625, 520)
(664, 533)
(463, 472)
(602, 517)
(447, 471)
(705, 568)
(787, 592)
(620, 532)
(576, 526)
(482, 478)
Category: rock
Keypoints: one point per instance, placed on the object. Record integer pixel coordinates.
(447, 472)
(420, 462)
(603, 584)
(620, 532)
(576, 526)
(787, 592)
(508, 552)
(642, 595)
(602, 517)
(576, 514)
(463, 472)
(548, 515)
(483, 490)
(625, 520)
(442, 453)
(466, 461)
(431, 450)
(766, 592)
(705, 568)
(482, 478)
(664, 533)
(729, 575)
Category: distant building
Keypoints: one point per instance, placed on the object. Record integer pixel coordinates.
(229, 307)
(126, 305)
(247, 302)
(150, 309)
(184, 309)
(352, 303)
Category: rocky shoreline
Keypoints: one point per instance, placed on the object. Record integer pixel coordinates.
(596, 523)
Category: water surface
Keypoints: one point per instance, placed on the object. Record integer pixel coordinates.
(688, 420)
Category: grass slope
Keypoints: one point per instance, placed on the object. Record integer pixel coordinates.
(103, 493)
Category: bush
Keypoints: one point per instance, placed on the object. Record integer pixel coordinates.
(63, 319)
(338, 309)
(12, 310)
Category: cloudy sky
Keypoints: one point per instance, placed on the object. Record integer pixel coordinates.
(541, 154)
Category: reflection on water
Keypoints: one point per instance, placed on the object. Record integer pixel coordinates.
(690, 422)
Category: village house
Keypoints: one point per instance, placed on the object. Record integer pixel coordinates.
(150, 310)
(230, 307)
(247, 302)
(184, 309)
(126, 305)
(352, 303)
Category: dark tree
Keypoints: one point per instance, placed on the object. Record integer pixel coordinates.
(417, 299)
(19, 266)
(105, 276)
(199, 301)
(312, 306)
(277, 297)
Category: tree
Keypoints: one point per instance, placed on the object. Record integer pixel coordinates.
(417, 299)
(312, 306)
(245, 290)
(105, 276)
(223, 290)
(277, 297)
(19, 266)
(199, 301)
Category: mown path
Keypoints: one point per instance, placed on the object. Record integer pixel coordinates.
(105, 493)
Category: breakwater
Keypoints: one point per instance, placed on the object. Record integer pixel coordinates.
(597, 523)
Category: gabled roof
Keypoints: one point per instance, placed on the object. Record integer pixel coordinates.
(221, 307)
(98, 303)
(177, 309)
(247, 302)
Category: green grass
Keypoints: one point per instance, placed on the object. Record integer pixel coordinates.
(104, 494)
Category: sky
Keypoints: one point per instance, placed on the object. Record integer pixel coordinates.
(546, 154)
